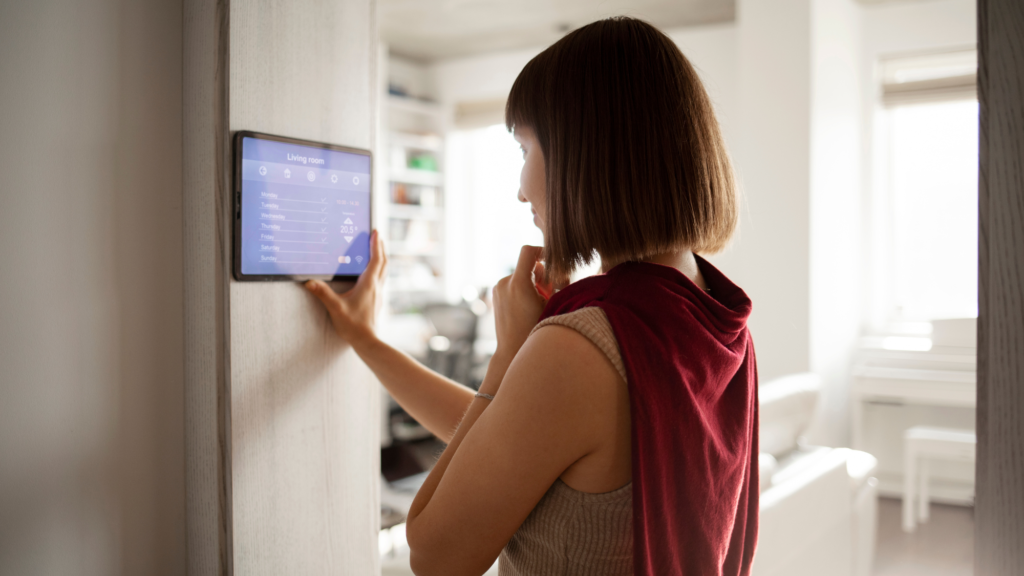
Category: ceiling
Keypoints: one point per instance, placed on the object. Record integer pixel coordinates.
(428, 30)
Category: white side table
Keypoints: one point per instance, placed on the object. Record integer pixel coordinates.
(921, 444)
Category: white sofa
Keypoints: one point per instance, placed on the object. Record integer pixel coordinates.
(818, 505)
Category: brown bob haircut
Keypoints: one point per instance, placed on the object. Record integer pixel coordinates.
(634, 158)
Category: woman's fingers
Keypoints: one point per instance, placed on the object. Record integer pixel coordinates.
(323, 292)
(373, 267)
(376, 256)
(528, 257)
(498, 292)
(384, 257)
(540, 281)
(353, 313)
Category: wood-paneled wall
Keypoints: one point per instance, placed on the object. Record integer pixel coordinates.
(205, 185)
(999, 509)
(304, 409)
(282, 428)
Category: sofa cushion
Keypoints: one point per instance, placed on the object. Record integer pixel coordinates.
(787, 406)
(805, 527)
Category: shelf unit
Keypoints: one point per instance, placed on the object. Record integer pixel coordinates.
(413, 106)
(411, 211)
(414, 206)
(414, 176)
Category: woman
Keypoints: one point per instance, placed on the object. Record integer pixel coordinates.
(615, 431)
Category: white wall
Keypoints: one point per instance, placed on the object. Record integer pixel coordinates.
(91, 438)
(712, 50)
(912, 26)
(837, 255)
(483, 77)
(770, 256)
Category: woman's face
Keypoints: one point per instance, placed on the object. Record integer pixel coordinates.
(532, 181)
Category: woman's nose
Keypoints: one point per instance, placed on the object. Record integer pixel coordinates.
(521, 197)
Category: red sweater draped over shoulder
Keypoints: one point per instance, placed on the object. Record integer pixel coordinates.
(692, 381)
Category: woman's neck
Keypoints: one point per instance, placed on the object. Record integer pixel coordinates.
(682, 260)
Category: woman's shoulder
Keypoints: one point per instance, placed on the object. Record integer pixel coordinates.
(558, 366)
(592, 324)
(566, 344)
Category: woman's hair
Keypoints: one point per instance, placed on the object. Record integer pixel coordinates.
(635, 161)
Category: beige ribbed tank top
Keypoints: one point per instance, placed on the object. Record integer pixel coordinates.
(573, 533)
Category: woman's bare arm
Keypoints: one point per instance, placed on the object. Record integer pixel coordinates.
(507, 452)
(436, 402)
(555, 401)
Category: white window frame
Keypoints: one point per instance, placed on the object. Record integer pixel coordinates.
(903, 80)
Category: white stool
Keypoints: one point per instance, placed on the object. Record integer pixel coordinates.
(920, 444)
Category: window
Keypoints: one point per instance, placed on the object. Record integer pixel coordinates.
(925, 219)
(934, 201)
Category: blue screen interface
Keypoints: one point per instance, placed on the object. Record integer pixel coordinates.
(305, 210)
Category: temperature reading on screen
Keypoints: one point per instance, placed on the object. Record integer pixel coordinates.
(348, 226)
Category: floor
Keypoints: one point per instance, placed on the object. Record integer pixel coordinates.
(942, 547)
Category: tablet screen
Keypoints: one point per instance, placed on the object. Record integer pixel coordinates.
(305, 210)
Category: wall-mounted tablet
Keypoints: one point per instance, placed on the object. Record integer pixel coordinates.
(302, 209)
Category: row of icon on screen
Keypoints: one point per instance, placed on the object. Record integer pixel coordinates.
(311, 175)
(348, 259)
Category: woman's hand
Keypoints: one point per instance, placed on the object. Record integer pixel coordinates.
(354, 313)
(519, 300)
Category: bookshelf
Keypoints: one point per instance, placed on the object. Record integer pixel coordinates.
(411, 212)
(415, 203)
